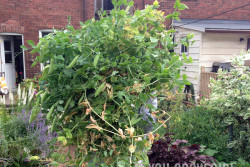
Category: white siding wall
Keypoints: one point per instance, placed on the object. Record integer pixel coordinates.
(192, 70)
(209, 48)
(221, 47)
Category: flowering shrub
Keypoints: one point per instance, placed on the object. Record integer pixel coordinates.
(21, 140)
(166, 152)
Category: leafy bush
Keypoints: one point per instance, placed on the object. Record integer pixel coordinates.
(100, 75)
(168, 153)
(21, 140)
(199, 125)
(230, 101)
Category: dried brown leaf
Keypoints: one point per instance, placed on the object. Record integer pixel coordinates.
(88, 111)
(121, 133)
(93, 126)
(92, 120)
(130, 131)
(151, 137)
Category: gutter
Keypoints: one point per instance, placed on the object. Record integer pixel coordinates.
(84, 10)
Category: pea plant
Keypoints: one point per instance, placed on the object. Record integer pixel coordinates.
(100, 75)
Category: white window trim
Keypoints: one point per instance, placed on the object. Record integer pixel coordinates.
(186, 53)
(40, 36)
(97, 10)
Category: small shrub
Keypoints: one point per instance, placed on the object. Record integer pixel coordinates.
(199, 125)
(230, 101)
(21, 140)
(166, 152)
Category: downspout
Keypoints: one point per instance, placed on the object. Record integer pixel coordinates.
(84, 10)
(143, 4)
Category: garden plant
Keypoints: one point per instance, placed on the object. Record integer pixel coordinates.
(99, 77)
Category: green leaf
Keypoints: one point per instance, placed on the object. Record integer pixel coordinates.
(131, 3)
(184, 57)
(59, 108)
(105, 153)
(153, 45)
(153, 39)
(134, 120)
(31, 43)
(184, 76)
(96, 60)
(34, 63)
(69, 135)
(98, 91)
(23, 47)
(62, 139)
(231, 144)
(139, 37)
(121, 164)
(179, 5)
(182, 7)
(156, 3)
(210, 152)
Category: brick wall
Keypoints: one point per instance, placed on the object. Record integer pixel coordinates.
(27, 17)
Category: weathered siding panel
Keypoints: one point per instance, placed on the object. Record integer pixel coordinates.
(192, 69)
(220, 47)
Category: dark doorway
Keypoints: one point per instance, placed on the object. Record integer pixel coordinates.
(107, 5)
(18, 54)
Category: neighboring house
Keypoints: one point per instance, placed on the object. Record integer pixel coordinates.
(221, 30)
(215, 41)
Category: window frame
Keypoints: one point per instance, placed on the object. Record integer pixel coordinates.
(181, 46)
(248, 44)
(102, 7)
(40, 36)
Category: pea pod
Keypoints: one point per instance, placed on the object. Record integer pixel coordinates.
(51, 110)
(45, 72)
(100, 88)
(53, 124)
(51, 66)
(80, 100)
(39, 93)
(67, 103)
(60, 76)
(44, 95)
(34, 111)
(72, 63)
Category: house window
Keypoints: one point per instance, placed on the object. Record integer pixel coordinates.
(107, 5)
(43, 33)
(8, 51)
(184, 45)
(103, 5)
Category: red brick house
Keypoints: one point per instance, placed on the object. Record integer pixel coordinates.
(22, 20)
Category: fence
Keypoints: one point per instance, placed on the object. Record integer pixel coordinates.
(205, 81)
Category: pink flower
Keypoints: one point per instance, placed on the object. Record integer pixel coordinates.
(35, 92)
(20, 72)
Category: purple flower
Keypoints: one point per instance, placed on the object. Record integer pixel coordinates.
(38, 131)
